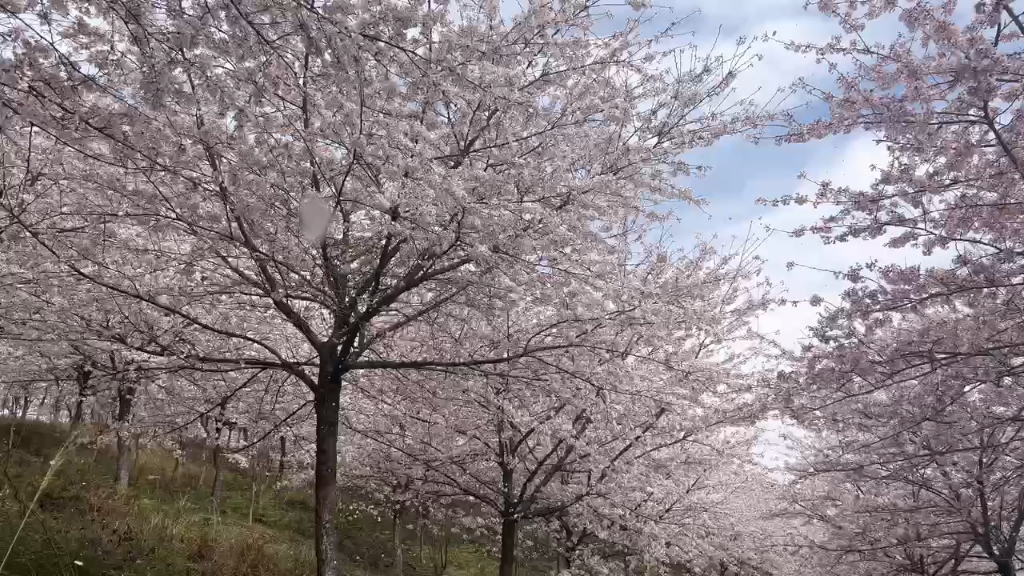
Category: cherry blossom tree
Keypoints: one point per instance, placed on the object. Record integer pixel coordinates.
(912, 382)
(608, 445)
(312, 188)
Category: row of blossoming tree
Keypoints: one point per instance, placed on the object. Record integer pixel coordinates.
(418, 250)
(911, 384)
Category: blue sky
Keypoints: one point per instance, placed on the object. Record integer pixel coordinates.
(742, 172)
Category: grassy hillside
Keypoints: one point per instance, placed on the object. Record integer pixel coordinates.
(167, 523)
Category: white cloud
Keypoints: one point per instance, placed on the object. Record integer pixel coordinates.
(850, 166)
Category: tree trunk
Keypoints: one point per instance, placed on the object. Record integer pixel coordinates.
(396, 536)
(218, 476)
(26, 402)
(1005, 567)
(42, 401)
(561, 562)
(83, 375)
(58, 400)
(254, 471)
(123, 471)
(280, 461)
(327, 404)
(125, 396)
(439, 548)
(509, 536)
(420, 529)
(136, 440)
(252, 500)
(218, 431)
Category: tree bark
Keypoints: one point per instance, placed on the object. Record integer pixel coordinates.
(125, 396)
(396, 536)
(327, 404)
(509, 537)
(42, 401)
(561, 562)
(136, 440)
(124, 454)
(420, 529)
(1005, 567)
(439, 548)
(83, 375)
(218, 430)
(254, 472)
(177, 459)
(280, 462)
(218, 475)
(58, 399)
(26, 402)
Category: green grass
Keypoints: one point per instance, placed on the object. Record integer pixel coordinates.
(167, 524)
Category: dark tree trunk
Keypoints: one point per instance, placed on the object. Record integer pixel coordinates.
(57, 401)
(509, 537)
(396, 537)
(124, 458)
(136, 440)
(561, 562)
(1005, 567)
(439, 548)
(125, 396)
(327, 404)
(177, 459)
(218, 476)
(421, 527)
(83, 375)
(26, 402)
(218, 432)
(42, 401)
(280, 461)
